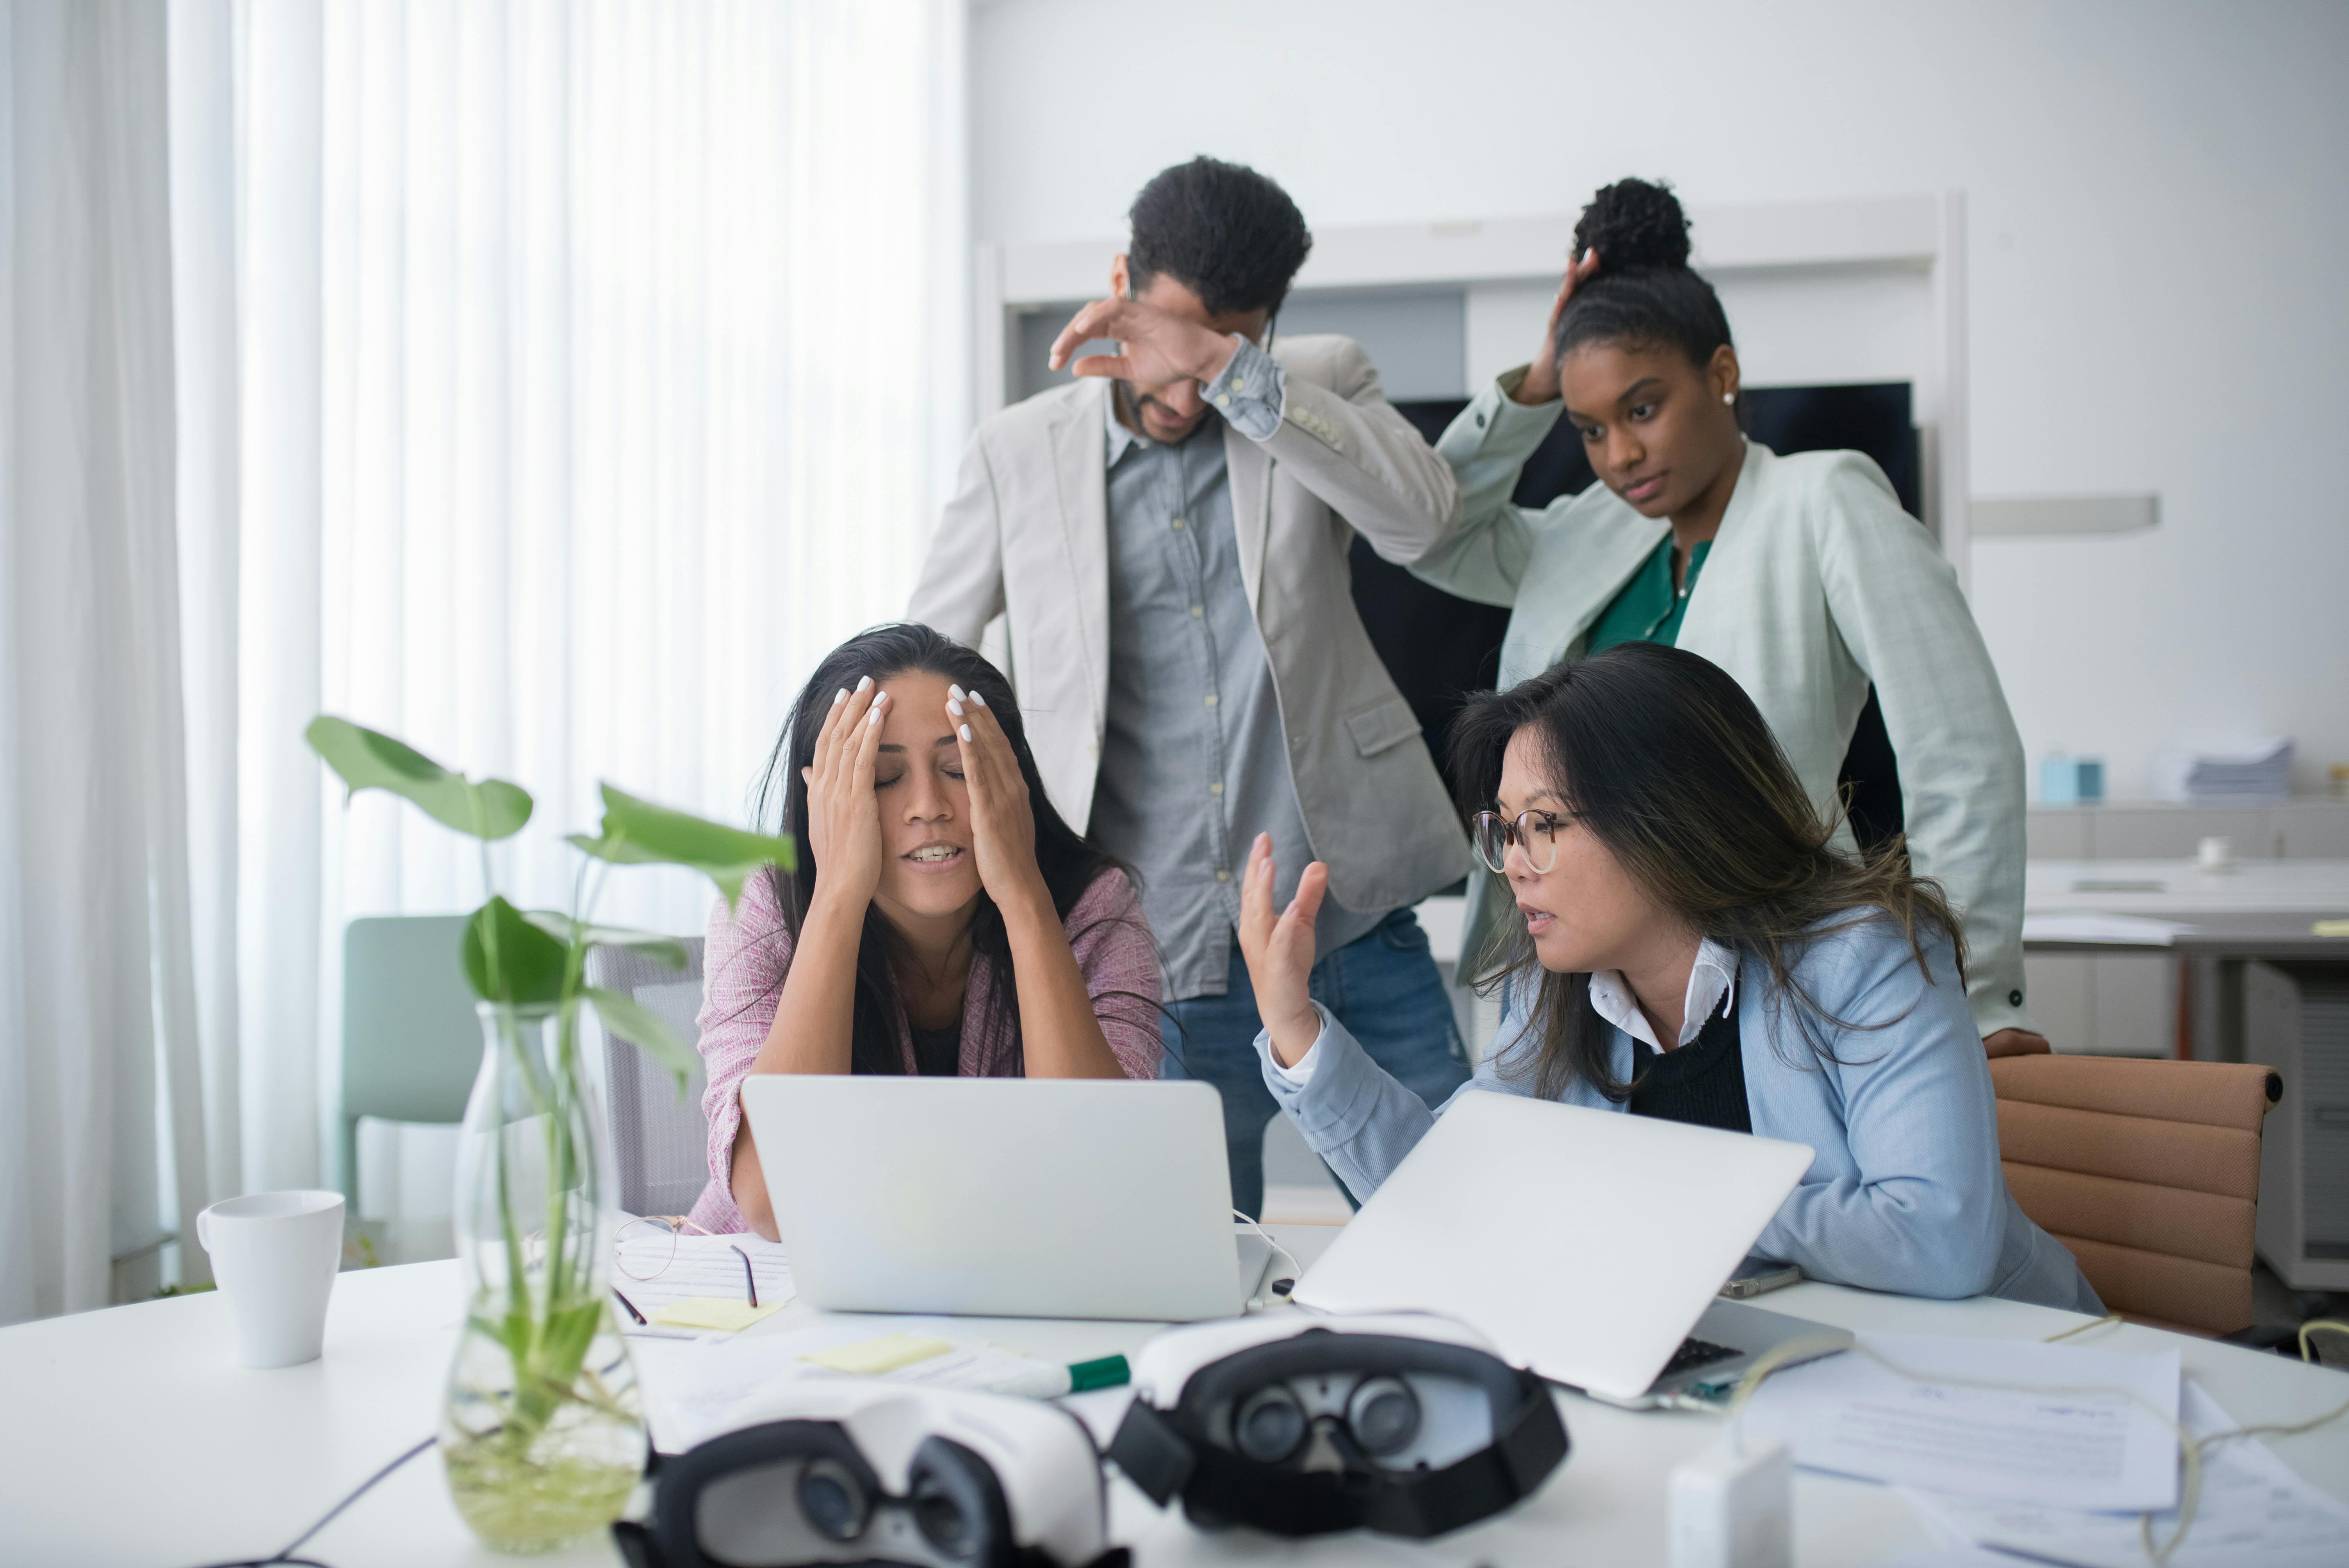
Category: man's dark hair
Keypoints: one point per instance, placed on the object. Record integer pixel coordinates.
(1222, 231)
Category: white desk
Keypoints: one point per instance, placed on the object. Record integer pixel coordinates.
(2181, 890)
(133, 1438)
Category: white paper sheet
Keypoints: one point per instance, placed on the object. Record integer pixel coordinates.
(2061, 1443)
(703, 1266)
(2082, 926)
(2255, 1512)
(692, 1390)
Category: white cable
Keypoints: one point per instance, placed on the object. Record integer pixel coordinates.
(1296, 1269)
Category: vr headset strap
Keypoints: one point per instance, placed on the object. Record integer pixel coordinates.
(1152, 1454)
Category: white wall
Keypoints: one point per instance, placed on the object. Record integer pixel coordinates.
(2157, 218)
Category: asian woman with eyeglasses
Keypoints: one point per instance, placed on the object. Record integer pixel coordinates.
(1691, 942)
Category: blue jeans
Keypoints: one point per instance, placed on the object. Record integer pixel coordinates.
(1386, 990)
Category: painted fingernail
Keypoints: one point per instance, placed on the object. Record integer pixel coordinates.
(978, 700)
(954, 692)
(954, 708)
(840, 696)
(964, 732)
(874, 717)
(863, 682)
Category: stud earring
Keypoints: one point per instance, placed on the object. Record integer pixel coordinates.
(1729, 396)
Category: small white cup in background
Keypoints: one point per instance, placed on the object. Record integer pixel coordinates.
(2216, 854)
(275, 1256)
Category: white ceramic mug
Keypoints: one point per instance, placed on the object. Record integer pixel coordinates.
(2216, 854)
(275, 1256)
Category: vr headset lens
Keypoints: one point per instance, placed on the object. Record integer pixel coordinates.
(795, 1492)
(1388, 1420)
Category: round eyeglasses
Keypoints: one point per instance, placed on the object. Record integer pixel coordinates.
(1536, 831)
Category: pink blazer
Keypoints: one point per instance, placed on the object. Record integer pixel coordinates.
(750, 950)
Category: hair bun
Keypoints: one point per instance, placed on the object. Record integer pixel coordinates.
(1632, 224)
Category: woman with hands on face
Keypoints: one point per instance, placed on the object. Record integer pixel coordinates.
(1689, 942)
(943, 919)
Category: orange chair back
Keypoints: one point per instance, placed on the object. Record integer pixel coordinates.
(2148, 1170)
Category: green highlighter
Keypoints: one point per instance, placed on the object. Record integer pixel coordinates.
(1052, 1382)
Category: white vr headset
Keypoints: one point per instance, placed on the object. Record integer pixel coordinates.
(851, 1471)
(1405, 1424)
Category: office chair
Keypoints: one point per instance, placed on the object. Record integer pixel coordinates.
(411, 1048)
(2148, 1170)
(661, 1142)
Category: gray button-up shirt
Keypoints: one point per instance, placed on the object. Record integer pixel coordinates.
(1193, 762)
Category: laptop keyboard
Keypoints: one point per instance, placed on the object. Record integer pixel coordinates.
(1695, 1353)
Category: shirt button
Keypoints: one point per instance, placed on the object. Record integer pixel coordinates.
(1178, 525)
(2014, 998)
(1211, 699)
(1217, 788)
(1197, 611)
(1222, 399)
(1480, 421)
(1222, 875)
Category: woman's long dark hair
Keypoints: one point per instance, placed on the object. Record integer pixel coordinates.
(1666, 759)
(1070, 862)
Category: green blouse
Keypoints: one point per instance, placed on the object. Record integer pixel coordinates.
(1645, 609)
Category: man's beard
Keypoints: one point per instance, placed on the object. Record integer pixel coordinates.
(1135, 402)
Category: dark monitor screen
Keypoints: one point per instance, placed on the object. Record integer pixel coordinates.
(1439, 648)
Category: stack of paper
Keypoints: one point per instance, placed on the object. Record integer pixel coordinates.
(2253, 1512)
(2051, 1452)
(692, 1390)
(2257, 771)
(705, 1285)
(2049, 1424)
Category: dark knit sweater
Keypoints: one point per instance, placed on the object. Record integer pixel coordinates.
(1703, 1082)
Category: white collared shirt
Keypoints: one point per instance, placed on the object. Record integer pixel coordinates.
(1712, 979)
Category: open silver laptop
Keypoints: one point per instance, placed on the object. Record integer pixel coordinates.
(1587, 1244)
(1004, 1197)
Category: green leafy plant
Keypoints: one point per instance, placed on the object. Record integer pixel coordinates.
(538, 958)
(529, 964)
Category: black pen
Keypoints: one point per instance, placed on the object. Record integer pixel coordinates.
(750, 1280)
(630, 1306)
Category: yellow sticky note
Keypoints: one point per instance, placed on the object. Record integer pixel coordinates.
(711, 1312)
(871, 1357)
(2332, 928)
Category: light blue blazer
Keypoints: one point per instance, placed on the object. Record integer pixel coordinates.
(1904, 1193)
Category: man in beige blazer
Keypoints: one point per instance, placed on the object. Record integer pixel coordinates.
(1166, 538)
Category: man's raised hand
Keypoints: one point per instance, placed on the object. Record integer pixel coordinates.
(1159, 347)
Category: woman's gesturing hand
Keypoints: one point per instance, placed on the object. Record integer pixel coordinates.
(1279, 952)
(1002, 822)
(844, 813)
(1540, 384)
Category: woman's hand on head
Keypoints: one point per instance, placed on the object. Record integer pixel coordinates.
(1002, 819)
(1278, 948)
(844, 813)
(1541, 383)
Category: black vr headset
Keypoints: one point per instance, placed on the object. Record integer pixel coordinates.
(1403, 1424)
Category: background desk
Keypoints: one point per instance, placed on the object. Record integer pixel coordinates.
(2257, 910)
(134, 1439)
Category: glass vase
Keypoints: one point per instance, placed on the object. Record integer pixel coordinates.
(543, 1430)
